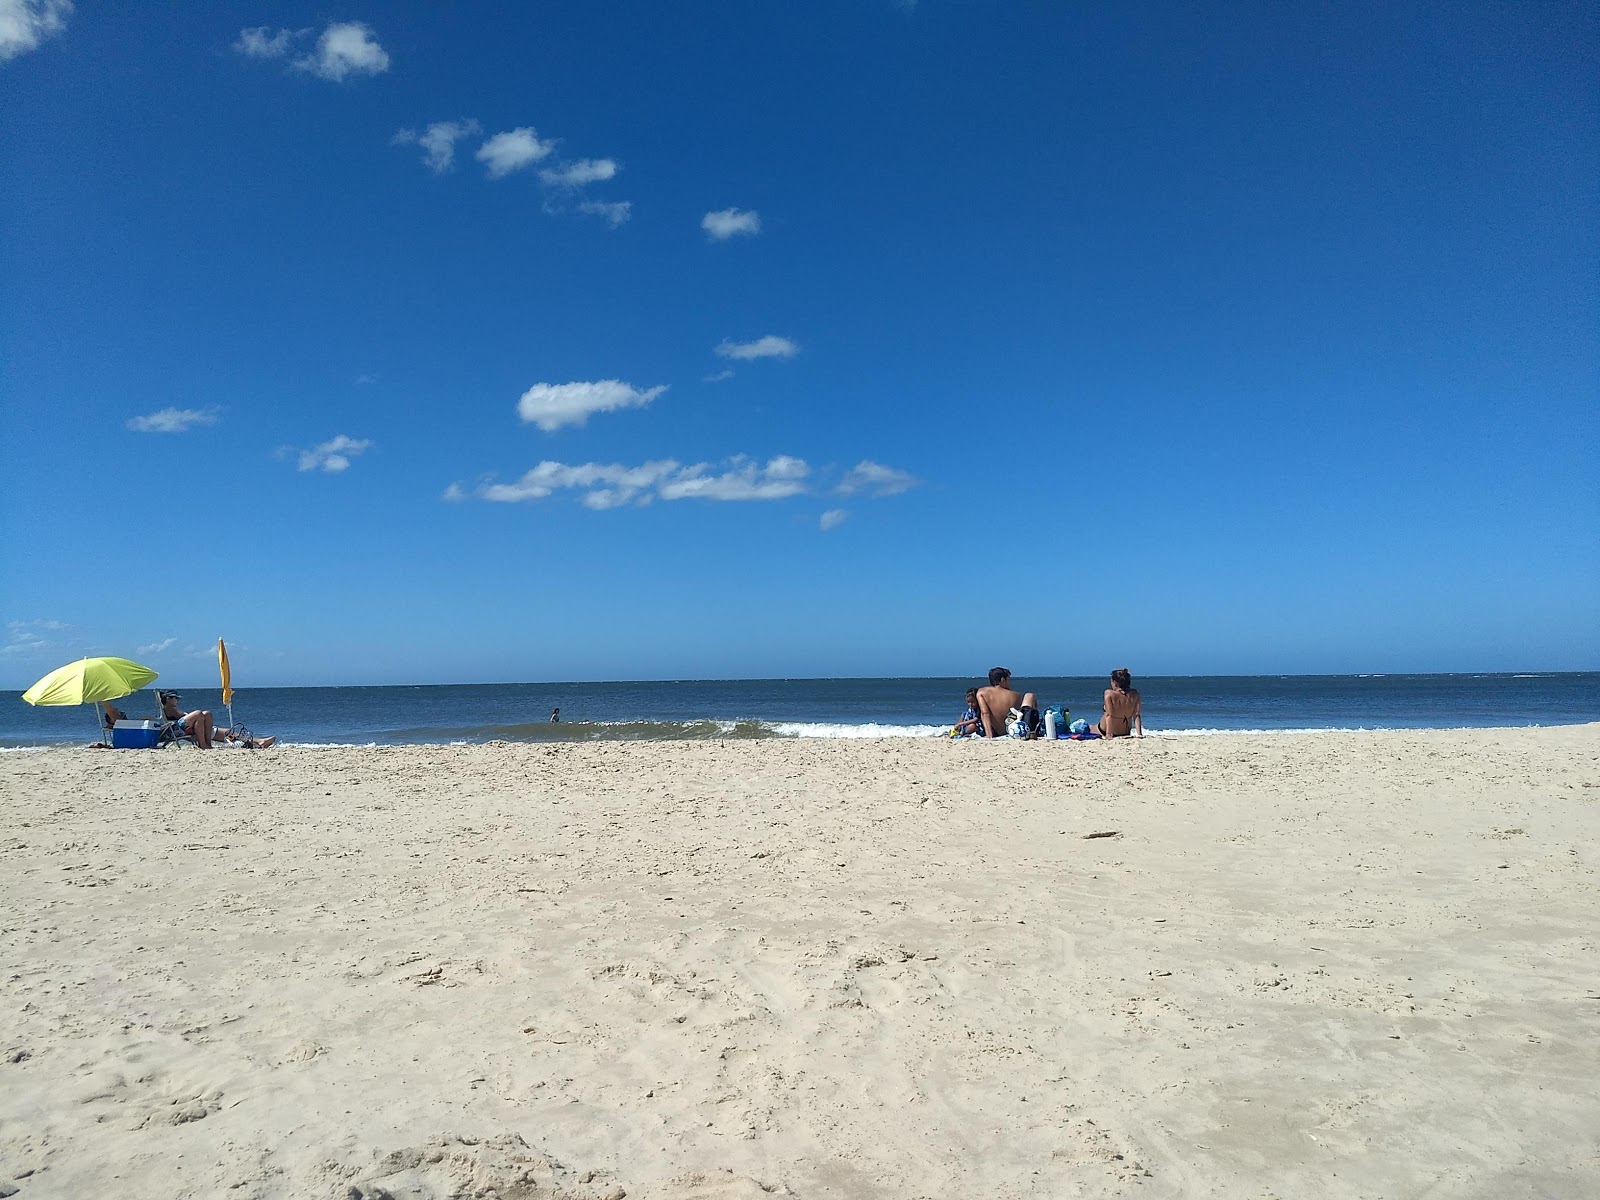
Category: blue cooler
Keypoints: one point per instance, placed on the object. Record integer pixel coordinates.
(135, 735)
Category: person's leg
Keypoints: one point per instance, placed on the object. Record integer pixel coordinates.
(1033, 723)
(199, 724)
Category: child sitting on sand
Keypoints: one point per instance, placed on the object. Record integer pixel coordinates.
(970, 723)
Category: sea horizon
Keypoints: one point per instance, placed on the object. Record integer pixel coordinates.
(838, 707)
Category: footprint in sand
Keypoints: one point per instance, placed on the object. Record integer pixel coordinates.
(458, 1167)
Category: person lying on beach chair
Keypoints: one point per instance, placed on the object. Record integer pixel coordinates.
(197, 726)
(200, 727)
(110, 714)
(242, 736)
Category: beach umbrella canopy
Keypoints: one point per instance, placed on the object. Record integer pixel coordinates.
(227, 673)
(88, 680)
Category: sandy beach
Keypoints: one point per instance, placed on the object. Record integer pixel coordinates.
(1343, 964)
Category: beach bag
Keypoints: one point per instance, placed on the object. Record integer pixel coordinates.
(1061, 715)
(1025, 722)
(1079, 726)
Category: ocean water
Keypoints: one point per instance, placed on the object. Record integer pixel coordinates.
(836, 708)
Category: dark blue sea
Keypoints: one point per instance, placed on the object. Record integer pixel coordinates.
(834, 708)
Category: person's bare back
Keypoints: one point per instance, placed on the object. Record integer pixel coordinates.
(996, 701)
(1122, 707)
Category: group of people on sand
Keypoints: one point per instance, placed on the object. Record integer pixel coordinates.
(996, 710)
(198, 724)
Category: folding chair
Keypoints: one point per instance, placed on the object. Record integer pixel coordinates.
(172, 732)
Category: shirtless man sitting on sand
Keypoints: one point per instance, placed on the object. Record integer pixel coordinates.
(996, 701)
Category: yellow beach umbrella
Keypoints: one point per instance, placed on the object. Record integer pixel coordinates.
(227, 675)
(227, 678)
(88, 680)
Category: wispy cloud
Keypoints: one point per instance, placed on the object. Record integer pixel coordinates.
(612, 485)
(158, 647)
(438, 141)
(265, 42)
(552, 405)
(612, 212)
(770, 346)
(334, 455)
(731, 222)
(783, 476)
(718, 377)
(832, 519)
(512, 150)
(584, 171)
(605, 485)
(28, 637)
(363, 379)
(344, 49)
(26, 23)
(875, 479)
(172, 420)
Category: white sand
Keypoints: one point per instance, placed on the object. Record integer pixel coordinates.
(1342, 965)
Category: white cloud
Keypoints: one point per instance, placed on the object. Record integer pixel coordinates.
(731, 222)
(783, 476)
(26, 23)
(620, 484)
(832, 519)
(719, 377)
(611, 485)
(172, 420)
(552, 405)
(262, 42)
(614, 213)
(766, 347)
(585, 170)
(157, 647)
(345, 48)
(438, 142)
(512, 150)
(333, 455)
(876, 480)
(27, 637)
(364, 379)
(453, 494)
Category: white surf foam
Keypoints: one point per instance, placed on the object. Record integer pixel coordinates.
(818, 729)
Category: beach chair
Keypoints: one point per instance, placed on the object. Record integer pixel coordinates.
(172, 732)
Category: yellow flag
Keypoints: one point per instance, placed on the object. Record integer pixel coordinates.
(227, 676)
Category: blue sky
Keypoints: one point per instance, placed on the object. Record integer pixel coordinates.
(437, 343)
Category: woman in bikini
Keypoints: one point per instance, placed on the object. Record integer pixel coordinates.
(1122, 713)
